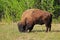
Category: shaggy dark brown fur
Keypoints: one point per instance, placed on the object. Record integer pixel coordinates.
(34, 16)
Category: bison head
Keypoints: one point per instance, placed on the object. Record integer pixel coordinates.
(21, 27)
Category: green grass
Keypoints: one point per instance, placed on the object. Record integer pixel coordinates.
(10, 32)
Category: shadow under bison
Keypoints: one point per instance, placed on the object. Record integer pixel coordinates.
(31, 17)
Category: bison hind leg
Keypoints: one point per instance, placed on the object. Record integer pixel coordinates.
(30, 28)
(48, 24)
(48, 27)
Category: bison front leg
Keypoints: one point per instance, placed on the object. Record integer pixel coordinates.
(46, 28)
(31, 27)
(28, 27)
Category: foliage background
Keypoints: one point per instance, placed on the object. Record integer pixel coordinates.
(11, 10)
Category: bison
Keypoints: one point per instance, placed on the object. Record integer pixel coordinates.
(31, 17)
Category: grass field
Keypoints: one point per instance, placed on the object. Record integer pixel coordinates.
(10, 32)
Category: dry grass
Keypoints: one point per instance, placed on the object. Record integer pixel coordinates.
(10, 32)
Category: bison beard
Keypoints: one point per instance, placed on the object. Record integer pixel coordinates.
(34, 16)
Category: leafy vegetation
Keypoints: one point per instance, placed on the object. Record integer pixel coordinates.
(12, 10)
